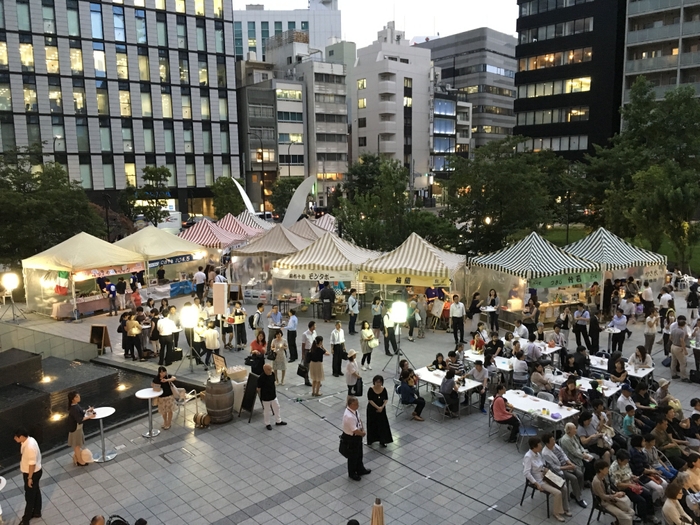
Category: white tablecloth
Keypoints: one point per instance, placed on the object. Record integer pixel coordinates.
(584, 384)
(502, 363)
(525, 403)
(436, 377)
(600, 363)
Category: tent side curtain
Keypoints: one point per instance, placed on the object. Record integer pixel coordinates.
(615, 253)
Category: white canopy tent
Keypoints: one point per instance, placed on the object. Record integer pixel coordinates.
(307, 229)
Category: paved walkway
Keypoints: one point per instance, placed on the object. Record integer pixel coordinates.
(240, 473)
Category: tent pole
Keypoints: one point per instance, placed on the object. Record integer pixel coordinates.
(75, 303)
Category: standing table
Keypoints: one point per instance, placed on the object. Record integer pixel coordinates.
(610, 331)
(148, 394)
(101, 413)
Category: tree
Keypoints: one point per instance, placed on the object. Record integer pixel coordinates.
(153, 194)
(40, 206)
(282, 192)
(363, 175)
(127, 202)
(227, 198)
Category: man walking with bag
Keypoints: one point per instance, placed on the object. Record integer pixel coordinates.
(353, 432)
(268, 395)
(30, 466)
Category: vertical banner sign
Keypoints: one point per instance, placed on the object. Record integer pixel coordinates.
(220, 297)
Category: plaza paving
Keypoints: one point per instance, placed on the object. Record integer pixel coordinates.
(240, 473)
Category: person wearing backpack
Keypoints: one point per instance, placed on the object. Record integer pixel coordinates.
(255, 320)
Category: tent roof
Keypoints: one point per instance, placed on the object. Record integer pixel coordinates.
(533, 257)
(327, 222)
(81, 252)
(153, 243)
(231, 224)
(607, 248)
(210, 235)
(418, 257)
(329, 252)
(278, 241)
(307, 229)
(254, 221)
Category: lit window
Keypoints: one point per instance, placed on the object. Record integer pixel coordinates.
(30, 103)
(184, 69)
(199, 7)
(164, 68)
(206, 112)
(203, 71)
(223, 108)
(5, 97)
(362, 103)
(144, 68)
(4, 64)
(218, 8)
(362, 83)
(55, 99)
(79, 106)
(180, 6)
(167, 103)
(52, 60)
(407, 102)
(130, 173)
(125, 103)
(102, 102)
(160, 4)
(26, 57)
(98, 54)
(122, 63)
(76, 61)
(407, 82)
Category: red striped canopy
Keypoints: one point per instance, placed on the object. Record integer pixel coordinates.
(208, 234)
(231, 224)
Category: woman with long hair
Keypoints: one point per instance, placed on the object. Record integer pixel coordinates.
(494, 302)
(366, 335)
(166, 401)
(316, 365)
(76, 417)
(257, 351)
(377, 311)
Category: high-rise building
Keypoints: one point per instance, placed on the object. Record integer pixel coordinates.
(391, 93)
(663, 44)
(254, 26)
(114, 88)
(570, 68)
(482, 64)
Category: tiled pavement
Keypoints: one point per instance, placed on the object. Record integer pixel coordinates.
(240, 473)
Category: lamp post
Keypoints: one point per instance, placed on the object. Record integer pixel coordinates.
(262, 168)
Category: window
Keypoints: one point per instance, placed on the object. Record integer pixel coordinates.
(305, 26)
(444, 145)
(572, 27)
(148, 140)
(186, 107)
(180, 6)
(263, 133)
(81, 129)
(260, 110)
(221, 71)
(5, 95)
(332, 157)
(86, 176)
(444, 126)
(329, 99)
(225, 145)
(122, 62)
(26, 57)
(105, 136)
(219, 36)
(76, 61)
(252, 40)
(265, 35)
(331, 137)
(333, 79)
(223, 106)
(146, 107)
(203, 69)
(130, 173)
(140, 17)
(201, 36)
(206, 140)
(445, 107)
(199, 7)
(181, 32)
(218, 8)
(184, 65)
(362, 83)
(29, 89)
(163, 65)
(206, 112)
(361, 103)
(336, 119)
(125, 102)
(162, 29)
(96, 21)
(188, 140)
(278, 28)
(102, 98)
(79, 106)
(362, 122)
(55, 99)
(293, 138)
(407, 102)
(291, 25)
(2, 15)
(119, 24)
(289, 116)
(561, 58)
(73, 18)
(98, 54)
(160, 4)
(191, 175)
(362, 141)
(555, 87)
(23, 18)
(58, 134)
(294, 160)
(407, 82)
(496, 110)
(128, 143)
(166, 102)
(169, 138)
(52, 66)
(485, 88)
(553, 116)
(238, 39)
(288, 94)
(49, 16)
(144, 67)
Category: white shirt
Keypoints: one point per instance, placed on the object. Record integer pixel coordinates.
(647, 294)
(521, 331)
(199, 278)
(457, 310)
(654, 325)
(31, 455)
(664, 299)
(307, 339)
(622, 402)
(211, 339)
(533, 467)
(353, 305)
(337, 337)
(350, 370)
(166, 326)
(351, 421)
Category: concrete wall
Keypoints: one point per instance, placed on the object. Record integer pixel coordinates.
(25, 338)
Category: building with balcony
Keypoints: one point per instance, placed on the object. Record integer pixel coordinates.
(662, 42)
(570, 72)
(254, 26)
(480, 63)
(114, 88)
(391, 96)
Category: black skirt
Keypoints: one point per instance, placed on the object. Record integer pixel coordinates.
(377, 322)
(377, 422)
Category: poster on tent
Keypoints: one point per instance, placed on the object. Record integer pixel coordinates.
(107, 271)
(312, 275)
(170, 260)
(403, 280)
(557, 281)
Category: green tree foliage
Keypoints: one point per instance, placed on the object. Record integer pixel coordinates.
(502, 193)
(282, 192)
(40, 207)
(153, 194)
(227, 198)
(127, 202)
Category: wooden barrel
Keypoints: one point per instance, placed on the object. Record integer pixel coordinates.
(219, 401)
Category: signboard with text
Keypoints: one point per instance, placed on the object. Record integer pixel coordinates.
(312, 275)
(170, 260)
(402, 280)
(572, 279)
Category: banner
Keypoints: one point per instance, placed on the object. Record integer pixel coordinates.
(651, 273)
(107, 271)
(312, 275)
(403, 280)
(555, 281)
(170, 260)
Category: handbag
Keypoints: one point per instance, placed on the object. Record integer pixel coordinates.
(249, 360)
(302, 370)
(358, 387)
(666, 362)
(636, 488)
(373, 343)
(271, 355)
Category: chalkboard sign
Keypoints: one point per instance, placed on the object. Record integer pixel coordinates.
(250, 395)
(219, 362)
(99, 335)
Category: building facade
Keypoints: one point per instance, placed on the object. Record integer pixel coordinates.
(391, 94)
(254, 26)
(662, 42)
(570, 68)
(480, 63)
(112, 88)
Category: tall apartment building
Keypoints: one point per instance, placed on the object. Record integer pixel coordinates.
(112, 88)
(480, 63)
(254, 26)
(662, 42)
(391, 93)
(570, 69)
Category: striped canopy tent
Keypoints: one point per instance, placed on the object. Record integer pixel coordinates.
(307, 229)
(415, 262)
(231, 224)
(254, 221)
(327, 222)
(208, 234)
(329, 258)
(279, 241)
(614, 253)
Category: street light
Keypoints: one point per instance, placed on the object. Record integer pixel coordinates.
(10, 282)
(262, 168)
(487, 221)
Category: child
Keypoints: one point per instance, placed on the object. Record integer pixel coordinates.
(629, 424)
(439, 363)
(211, 343)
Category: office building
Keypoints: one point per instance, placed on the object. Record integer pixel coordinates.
(112, 88)
(254, 26)
(663, 44)
(480, 63)
(570, 68)
(391, 94)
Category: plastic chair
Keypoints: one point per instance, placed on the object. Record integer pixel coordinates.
(546, 396)
(526, 431)
(596, 506)
(530, 485)
(397, 384)
(439, 405)
(182, 401)
(529, 391)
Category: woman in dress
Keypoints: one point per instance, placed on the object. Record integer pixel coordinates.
(494, 302)
(279, 346)
(316, 365)
(377, 422)
(366, 335)
(257, 351)
(352, 373)
(76, 417)
(166, 400)
(377, 311)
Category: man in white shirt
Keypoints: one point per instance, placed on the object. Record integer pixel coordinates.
(166, 328)
(520, 330)
(535, 470)
(199, 279)
(647, 299)
(353, 310)
(480, 375)
(625, 399)
(307, 339)
(337, 348)
(30, 466)
(292, 335)
(389, 334)
(457, 313)
(582, 319)
(353, 432)
(663, 306)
